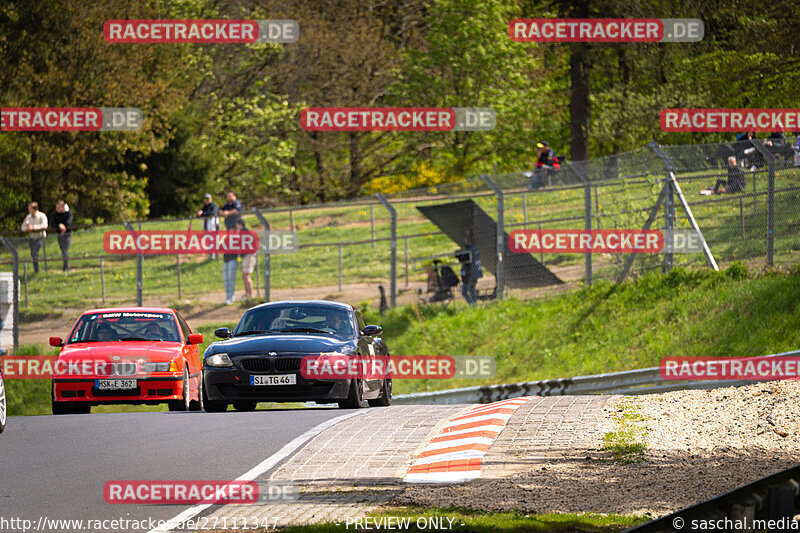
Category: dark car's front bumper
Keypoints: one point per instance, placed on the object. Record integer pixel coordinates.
(233, 383)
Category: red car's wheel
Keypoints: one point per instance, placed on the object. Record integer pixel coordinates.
(197, 405)
(183, 403)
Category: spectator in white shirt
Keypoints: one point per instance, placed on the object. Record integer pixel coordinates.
(35, 225)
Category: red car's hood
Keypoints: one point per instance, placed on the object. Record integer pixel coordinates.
(155, 351)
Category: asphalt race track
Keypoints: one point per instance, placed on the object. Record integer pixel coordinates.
(56, 466)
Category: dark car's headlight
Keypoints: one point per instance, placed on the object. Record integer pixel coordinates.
(218, 360)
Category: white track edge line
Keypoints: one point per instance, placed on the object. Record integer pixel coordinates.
(256, 471)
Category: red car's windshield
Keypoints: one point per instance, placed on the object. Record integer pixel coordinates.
(125, 326)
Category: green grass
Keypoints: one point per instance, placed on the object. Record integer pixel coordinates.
(626, 442)
(467, 520)
(605, 328)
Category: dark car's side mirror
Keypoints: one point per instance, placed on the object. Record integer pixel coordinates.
(223, 333)
(56, 341)
(372, 331)
(196, 338)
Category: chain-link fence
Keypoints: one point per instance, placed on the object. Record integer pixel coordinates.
(741, 196)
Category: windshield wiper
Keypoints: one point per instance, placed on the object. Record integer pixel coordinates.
(306, 330)
(255, 332)
(136, 339)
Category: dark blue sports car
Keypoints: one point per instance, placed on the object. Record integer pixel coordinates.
(260, 360)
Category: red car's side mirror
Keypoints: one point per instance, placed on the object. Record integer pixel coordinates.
(56, 341)
(196, 338)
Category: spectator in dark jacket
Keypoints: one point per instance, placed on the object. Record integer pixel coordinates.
(209, 214)
(232, 211)
(61, 221)
(471, 270)
(734, 183)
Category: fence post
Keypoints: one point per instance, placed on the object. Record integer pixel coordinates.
(102, 282)
(14, 289)
(340, 269)
(372, 223)
(138, 266)
(669, 200)
(25, 281)
(525, 210)
(501, 234)
(291, 220)
(587, 216)
(393, 248)
(264, 251)
(770, 198)
(178, 270)
(406, 262)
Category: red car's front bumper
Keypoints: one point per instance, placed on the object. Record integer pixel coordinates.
(150, 390)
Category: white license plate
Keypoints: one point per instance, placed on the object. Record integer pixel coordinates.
(288, 379)
(116, 384)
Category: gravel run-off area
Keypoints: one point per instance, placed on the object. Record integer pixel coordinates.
(699, 443)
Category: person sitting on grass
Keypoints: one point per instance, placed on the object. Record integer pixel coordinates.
(734, 183)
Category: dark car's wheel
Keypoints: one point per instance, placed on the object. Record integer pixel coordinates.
(212, 406)
(197, 405)
(244, 405)
(182, 404)
(385, 398)
(355, 396)
(3, 411)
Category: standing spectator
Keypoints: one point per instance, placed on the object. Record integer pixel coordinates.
(232, 210)
(35, 225)
(230, 264)
(248, 265)
(62, 223)
(209, 214)
(471, 270)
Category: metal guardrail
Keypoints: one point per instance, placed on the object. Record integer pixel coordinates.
(749, 508)
(631, 382)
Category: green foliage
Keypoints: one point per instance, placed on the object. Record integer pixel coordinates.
(626, 441)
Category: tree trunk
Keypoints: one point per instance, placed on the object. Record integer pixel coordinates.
(580, 111)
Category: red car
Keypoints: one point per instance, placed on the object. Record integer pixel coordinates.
(128, 355)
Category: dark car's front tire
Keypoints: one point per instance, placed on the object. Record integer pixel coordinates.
(212, 406)
(385, 399)
(355, 395)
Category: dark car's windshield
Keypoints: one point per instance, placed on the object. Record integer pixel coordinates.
(308, 319)
(125, 326)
